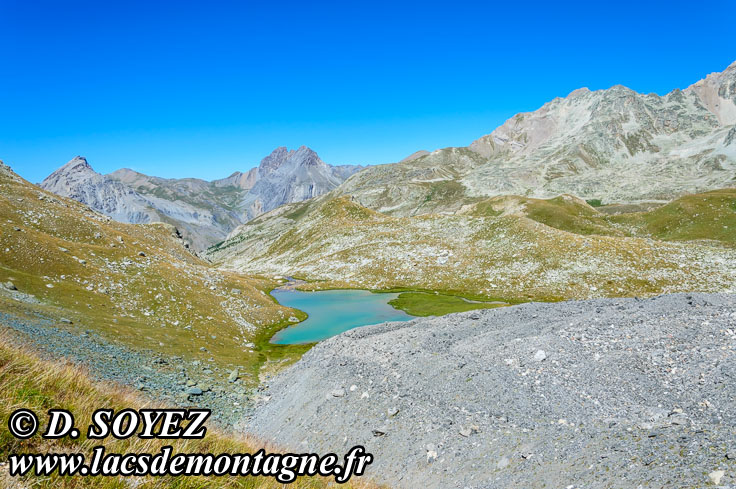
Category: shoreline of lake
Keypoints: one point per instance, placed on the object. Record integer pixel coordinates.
(331, 312)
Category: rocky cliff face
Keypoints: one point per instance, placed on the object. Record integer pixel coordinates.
(115, 195)
(292, 176)
(77, 180)
(615, 145)
(205, 212)
(239, 179)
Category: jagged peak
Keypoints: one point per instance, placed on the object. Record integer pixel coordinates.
(305, 149)
(76, 166)
(274, 160)
(75, 170)
(302, 156)
(277, 154)
(307, 156)
(715, 76)
(77, 162)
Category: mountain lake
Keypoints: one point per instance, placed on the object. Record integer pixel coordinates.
(332, 312)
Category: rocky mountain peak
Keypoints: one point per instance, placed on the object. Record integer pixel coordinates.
(305, 156)
(273, 162)
(283, 160)
(78, 163)
(717, 92)
(614, 145)
(76, 170)
(204, 212)
(292, 176)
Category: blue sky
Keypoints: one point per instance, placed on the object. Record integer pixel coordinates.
(206, 88)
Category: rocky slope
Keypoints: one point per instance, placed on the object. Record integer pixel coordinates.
(606, 393)
(615, 145)
(204, 212)
(509, 248)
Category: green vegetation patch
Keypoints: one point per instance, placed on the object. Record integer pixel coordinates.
(429, 304)
(705, 216)
(445, 192)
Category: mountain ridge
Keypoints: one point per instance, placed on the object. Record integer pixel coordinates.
(614, 144)
(205, 211)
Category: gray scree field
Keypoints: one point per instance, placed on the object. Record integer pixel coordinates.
(601, 393)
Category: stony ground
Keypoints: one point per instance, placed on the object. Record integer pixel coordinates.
(600, 393)
(169, 380)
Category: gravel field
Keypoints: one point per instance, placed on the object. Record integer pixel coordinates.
(602, 393)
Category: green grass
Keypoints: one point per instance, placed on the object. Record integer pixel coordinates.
(300, 210)
(429, 304)
(273, 357)
(564, 213)
(705, 216)
(446, 191)
(594, 202)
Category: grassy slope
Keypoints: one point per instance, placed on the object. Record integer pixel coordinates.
(565, 212)
(706, 216)
(168, 300)
(30, 383)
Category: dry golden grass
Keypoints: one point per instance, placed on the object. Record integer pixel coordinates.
(31, 383)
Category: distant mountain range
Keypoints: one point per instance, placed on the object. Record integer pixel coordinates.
(613, 146)
(489, 219)
(204, 212)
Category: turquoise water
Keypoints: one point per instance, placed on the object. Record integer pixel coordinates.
(333, 311)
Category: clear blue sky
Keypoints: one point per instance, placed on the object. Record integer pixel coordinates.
(205, 88)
